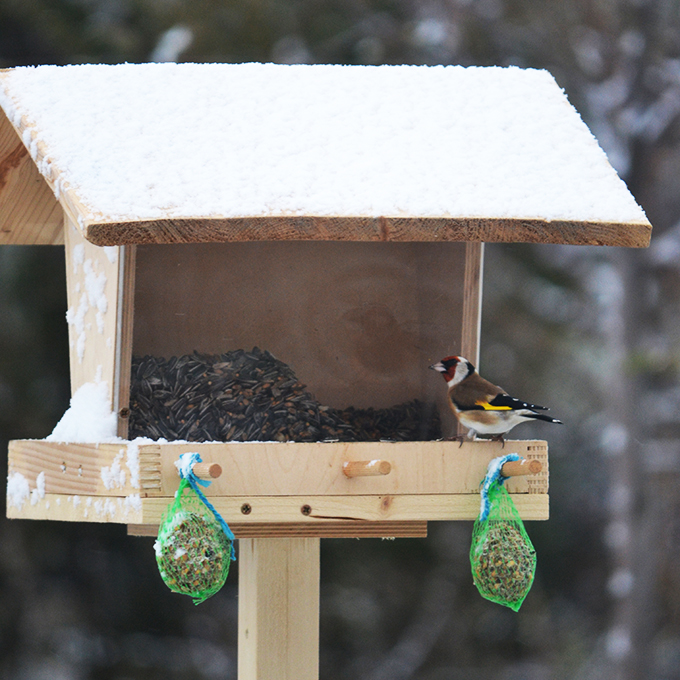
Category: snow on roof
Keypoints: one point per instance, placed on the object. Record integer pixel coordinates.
(136, 142)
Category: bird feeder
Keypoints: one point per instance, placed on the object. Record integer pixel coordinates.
(333, 216)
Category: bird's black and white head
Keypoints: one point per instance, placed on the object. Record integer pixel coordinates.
(454, 369)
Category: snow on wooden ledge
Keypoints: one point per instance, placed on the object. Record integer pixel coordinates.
(221, 152)
(267, 485)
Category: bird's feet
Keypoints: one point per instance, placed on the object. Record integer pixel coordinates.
(498, 438)
(458, 438)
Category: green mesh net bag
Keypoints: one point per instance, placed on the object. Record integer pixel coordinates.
(194, 548)
(502, 557)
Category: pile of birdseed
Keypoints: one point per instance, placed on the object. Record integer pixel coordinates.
(252, 396)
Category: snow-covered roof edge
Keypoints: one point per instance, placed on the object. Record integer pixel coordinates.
(634, 233)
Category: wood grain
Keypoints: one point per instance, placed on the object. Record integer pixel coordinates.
(91, 330)
(371, 508)
(29, 212)
(277, 510)
(281, 228)
(472, 308)
(340, 529)
(100, 291)
(276, 484)
(102, 231)
(255, 469)
(82, 469)
(76, 508)
(472, 301)
(278, 614)
(267, 469)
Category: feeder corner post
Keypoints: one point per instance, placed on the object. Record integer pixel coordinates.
(100, 328)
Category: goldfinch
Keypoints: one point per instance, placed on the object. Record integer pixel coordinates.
(481, 406)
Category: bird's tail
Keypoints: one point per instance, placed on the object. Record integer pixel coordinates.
(541, 416)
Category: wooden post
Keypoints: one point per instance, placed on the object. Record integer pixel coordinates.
(472, 301)
(472, 305)
(278, 612)
(100, 287)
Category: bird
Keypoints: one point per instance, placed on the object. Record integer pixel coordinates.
(482, 407)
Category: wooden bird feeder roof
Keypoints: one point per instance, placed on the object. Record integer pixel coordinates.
(175, 153)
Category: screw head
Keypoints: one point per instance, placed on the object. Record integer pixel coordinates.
(124, 412)
(306, 510)
(246, 508)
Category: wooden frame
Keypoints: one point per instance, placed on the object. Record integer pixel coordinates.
(301, 485)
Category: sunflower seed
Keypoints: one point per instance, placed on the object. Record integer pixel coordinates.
(252, 396)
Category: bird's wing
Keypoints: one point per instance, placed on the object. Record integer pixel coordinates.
(475, 394)
(504, 402)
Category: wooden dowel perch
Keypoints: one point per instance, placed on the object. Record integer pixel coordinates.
(366, 468)
(207, 470)
(517, 468)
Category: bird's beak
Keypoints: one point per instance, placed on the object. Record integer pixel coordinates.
(439, 366)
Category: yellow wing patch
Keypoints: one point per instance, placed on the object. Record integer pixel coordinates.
(488, 407)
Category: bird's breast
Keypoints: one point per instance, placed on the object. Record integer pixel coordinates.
(481, 417)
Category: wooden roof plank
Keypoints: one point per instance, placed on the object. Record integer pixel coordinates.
(201, 230)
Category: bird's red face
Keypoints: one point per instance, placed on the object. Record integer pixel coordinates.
(447, 367)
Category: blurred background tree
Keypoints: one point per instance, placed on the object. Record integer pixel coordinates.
(594, 332)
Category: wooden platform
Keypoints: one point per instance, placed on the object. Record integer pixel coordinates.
(271, 489)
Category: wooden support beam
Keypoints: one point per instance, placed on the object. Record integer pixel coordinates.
(340, 529)
(100, 286)
(472, 306)
(318, 510)
(312, 512)
(127, 258)
(278, 615)
(472, 301)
